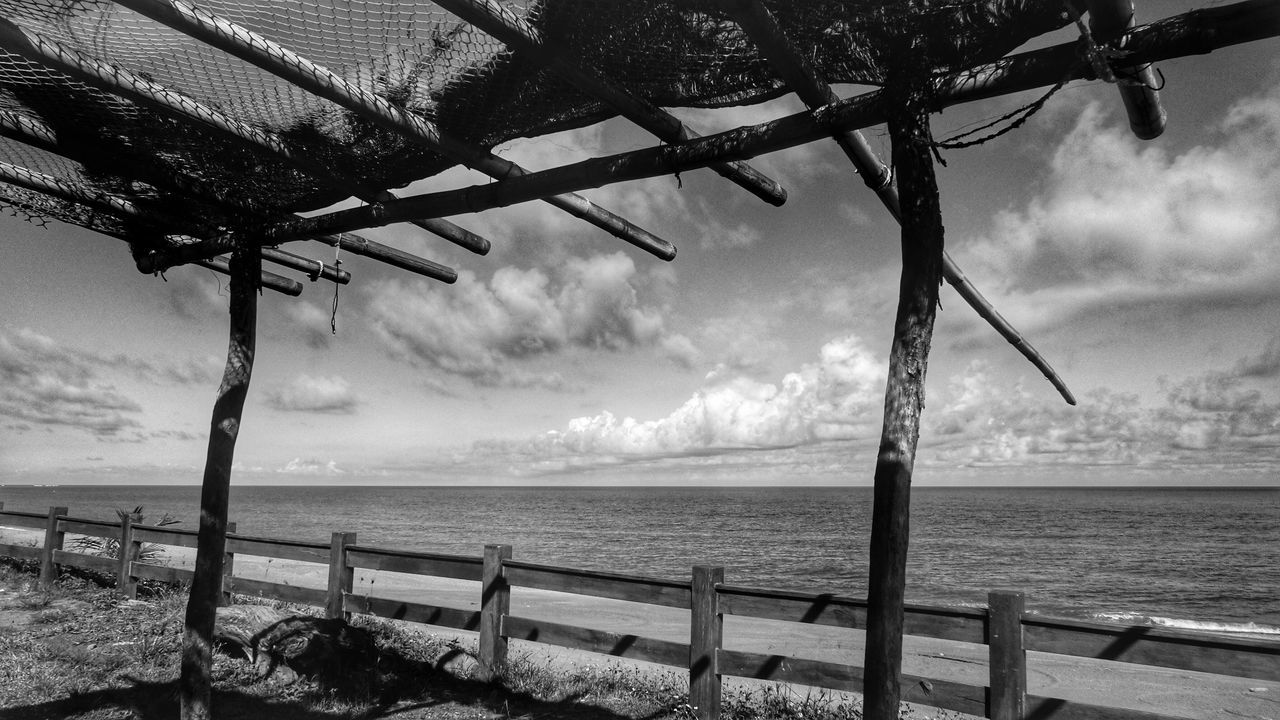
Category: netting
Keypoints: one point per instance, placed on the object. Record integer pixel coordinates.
(190, 179)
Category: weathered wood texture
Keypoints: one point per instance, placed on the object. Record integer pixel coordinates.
(315, 552)
(706, 636)
(89, 528)
(318, 597)
(622, 645)
(53, 539)
(341, 574)
(128, 550)
(596, 583)
(1040, 708)
(435, 565)
(413, 612)
(195, 682)
(16, 519)
(159, 573)
(96, 563)
(1007, 666)
(22, 552)
(495, 603)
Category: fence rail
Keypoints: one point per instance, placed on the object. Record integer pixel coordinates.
(1004, 627)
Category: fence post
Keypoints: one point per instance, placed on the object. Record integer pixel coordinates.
(228, 569)
(1007, 695)
(52, 541)
(126, 553)
(706, 629)
(341, 575)
(495, 602)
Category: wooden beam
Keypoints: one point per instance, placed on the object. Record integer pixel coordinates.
(1109, 20)
(118, 81)
(195, 681)
(288, 65)
(1197, 32)
(269, 280)
(799, 75)
(520, 36)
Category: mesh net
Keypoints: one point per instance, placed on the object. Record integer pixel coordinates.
(193, 180)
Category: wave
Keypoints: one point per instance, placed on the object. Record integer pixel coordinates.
(1232, 628)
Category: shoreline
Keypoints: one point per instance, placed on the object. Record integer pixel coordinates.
(1177, 693)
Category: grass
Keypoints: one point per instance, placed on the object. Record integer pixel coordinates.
(79, 651)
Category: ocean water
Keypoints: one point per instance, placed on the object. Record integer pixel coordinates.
(1190, 558)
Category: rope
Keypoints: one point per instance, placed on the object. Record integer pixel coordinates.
(1020, 116)
(337, 267)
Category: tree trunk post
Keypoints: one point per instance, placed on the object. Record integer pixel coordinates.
(922, 245)
(126, 553)
(228, 570)
(495, 601)
(195, 683)
(706, 631)
(52, 543)
(341, 575)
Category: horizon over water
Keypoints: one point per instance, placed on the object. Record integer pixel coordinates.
(1181, 557)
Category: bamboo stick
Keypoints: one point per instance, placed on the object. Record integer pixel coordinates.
(803, 79)
(195, 682)
(519, 35)
(37, 48)
(288, 65)
(313, 268)
(1197, 32)
(1109, 20)
(269, 280)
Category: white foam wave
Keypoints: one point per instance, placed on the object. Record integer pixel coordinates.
(1245, 628)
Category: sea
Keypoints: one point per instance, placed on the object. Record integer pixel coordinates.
(1183, 558)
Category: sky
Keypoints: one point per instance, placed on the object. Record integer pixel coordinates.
(1147, 272)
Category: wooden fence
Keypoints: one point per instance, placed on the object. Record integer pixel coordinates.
(1004, 627)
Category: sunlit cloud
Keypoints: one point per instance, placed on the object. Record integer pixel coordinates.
(331, 395)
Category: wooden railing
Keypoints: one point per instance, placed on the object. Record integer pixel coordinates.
(1004, 626)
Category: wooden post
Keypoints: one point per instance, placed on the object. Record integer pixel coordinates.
(195, 686)
(495, 601)
(52, 542)
(1007, 694)
(228, 570)
(706, 629)
(922, 244)
(341, 575)
(126, 553)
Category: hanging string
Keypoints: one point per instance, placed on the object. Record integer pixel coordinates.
(337, 268)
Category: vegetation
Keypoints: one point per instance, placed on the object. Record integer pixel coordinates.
(80, 651)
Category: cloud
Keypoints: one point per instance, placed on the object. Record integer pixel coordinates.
(480, 331)
(305, 393)
(1121, 224)
(311, 323)
(1265, 365)
(298, 466)
(838, 397)
(44, 383)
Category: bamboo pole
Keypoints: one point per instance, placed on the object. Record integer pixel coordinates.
(118, 81)
(922, 246)
(1192, 33)
(269, 280)
(195, 683)
(803, 79)
(1109, 20)
(292, 67)
(519, 35)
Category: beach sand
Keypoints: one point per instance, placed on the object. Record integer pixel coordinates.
(1176, 693)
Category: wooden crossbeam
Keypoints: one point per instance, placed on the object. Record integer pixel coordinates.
(799, 75)
(1109, 20)
(1197, 32)
(288, 65)
(519, 35)
(116, 207)
(118, 81)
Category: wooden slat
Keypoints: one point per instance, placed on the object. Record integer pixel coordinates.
(653, 591)
(164, 536)
(283, 549)
(277, 591)
(91, 562)
(459, 567)
(943, 694)
(1042, 708)
(962, 624)
(412, 612)
(91, 528)
(14, 518)
(171, 575)
(597, 641)
(24, 552)
(1183, 650)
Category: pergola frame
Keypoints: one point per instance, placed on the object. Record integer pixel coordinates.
(909, 194)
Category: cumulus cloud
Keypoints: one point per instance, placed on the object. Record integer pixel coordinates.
(479, 330)
(44, 383)
(837, 397)
(305, 393)
(1120, 223)
(299, 466)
